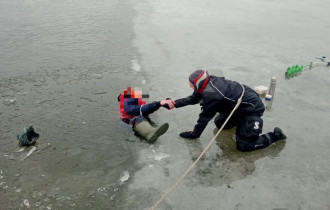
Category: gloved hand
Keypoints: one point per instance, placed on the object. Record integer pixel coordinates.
(165, 104)
(188, 135)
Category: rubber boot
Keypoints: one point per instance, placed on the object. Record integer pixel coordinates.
(150, 133)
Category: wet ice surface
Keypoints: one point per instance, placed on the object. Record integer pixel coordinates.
(61, 71)
(249, 42)
(77, 159)
(64, 77)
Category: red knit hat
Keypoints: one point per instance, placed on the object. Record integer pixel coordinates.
(199, 78)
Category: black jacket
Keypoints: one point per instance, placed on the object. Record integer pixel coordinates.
(221, 95)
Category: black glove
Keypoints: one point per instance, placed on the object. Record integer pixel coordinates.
(188, 135)
(166, 105)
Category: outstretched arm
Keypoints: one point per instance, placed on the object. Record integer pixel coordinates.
(146, 109)
(190, 100)
(136, 110)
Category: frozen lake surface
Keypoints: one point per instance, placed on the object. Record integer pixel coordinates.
(63, 64)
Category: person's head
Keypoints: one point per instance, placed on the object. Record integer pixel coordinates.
(135, 93)
(198, 80)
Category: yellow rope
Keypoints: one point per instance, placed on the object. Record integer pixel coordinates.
(200, 156)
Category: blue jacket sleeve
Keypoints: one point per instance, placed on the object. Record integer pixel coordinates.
(144, 110)
(150, 108)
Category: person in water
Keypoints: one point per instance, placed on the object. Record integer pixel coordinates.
(220, 95)
(135, 111)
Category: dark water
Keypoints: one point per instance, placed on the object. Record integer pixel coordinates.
(57, 34)
(62, 65)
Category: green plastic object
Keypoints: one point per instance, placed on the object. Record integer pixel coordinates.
(296, 70)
